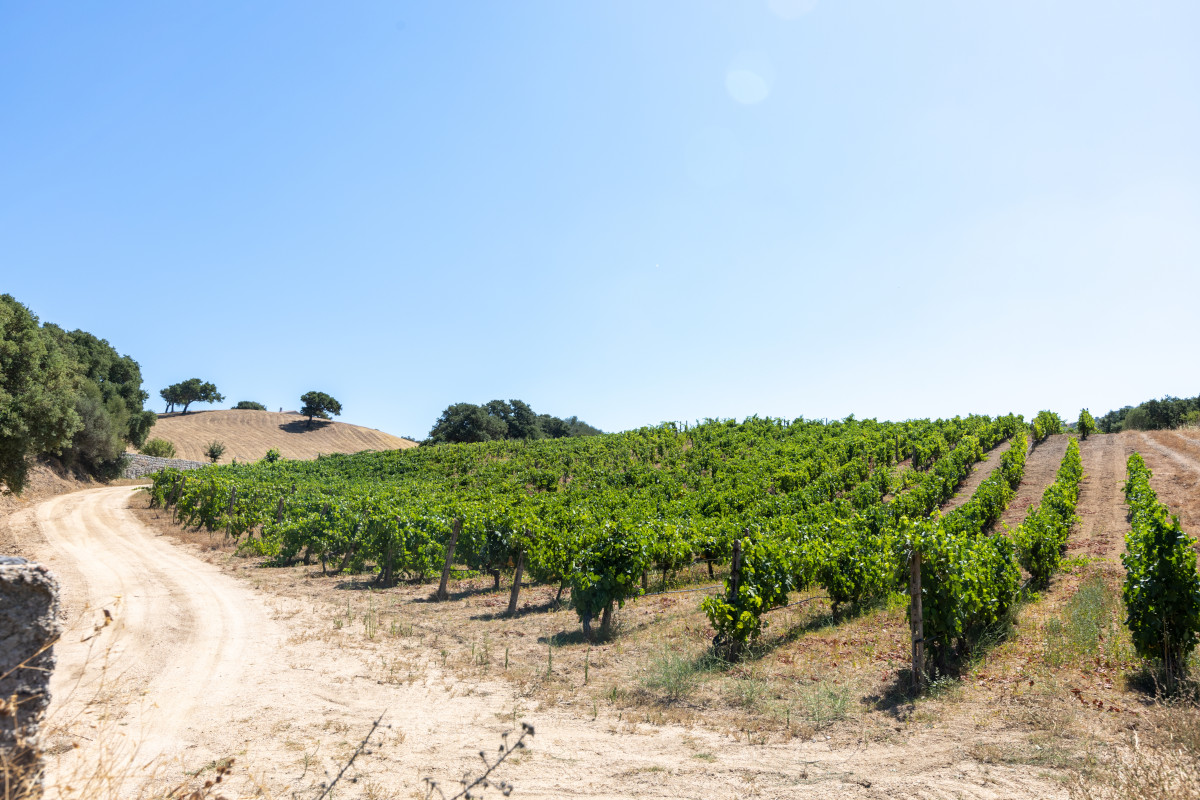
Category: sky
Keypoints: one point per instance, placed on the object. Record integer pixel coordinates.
(627, 211)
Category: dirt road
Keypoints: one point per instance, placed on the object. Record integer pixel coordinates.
(197, 666)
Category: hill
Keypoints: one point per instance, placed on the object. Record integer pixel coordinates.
(247, 435)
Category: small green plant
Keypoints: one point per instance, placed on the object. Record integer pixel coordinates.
(825, 704)
(272, 456)
(158, 448)
(214, 451)
(1086, 424)
(673, 674)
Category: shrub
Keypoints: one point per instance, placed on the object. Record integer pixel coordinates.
(272, 456)
(1162, 589)
(249, 405)
(214, 451)
(159, 448)
(1086, 425)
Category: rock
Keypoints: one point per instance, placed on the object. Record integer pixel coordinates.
(29, 627)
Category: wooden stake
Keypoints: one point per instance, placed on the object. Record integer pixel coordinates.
(516, 586)
(735, 572)
(916, 620)
(442, 593)
(279, 511)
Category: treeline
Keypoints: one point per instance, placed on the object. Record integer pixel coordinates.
(64, 393)
(1153, 415)
(500, 420)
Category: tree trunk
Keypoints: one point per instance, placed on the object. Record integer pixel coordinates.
(606, 619)
(442, 592)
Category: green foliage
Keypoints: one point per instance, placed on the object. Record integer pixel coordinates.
(969, 578)
(595, 512)
(1086, 424)
(159, 448)
(249, 405)
(1045, 424)
(1041, 539)
(37, 394)
(214, 451)
(140, 423)
(767, 572)
(1158, 414)
(108, 399)
(500, 419)
(193, 390)
(319, 404)
(272, 456)
(608, 572)
(464, 423)
(1162, 588)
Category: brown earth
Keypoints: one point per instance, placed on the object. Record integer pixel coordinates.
(248, 435)
(1041, 465)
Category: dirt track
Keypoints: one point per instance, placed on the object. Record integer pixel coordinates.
(198, 666)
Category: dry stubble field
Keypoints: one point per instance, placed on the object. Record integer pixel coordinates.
(247, 435)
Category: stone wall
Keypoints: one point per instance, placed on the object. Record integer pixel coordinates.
(139, 466)
(29, 626)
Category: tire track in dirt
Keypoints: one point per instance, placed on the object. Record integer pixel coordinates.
(1101, 506)
(197, 666)
(1176, 475)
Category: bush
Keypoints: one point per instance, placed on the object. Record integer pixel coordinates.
(249, 405)
(158, 448)
(272, 456)
(214, 451)
(1162, 589)
(1086, 425)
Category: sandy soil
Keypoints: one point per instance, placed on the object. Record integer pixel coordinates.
(247, 435)
(198, 666)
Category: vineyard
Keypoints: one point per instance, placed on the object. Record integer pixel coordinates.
(850, 508)
(793, 586)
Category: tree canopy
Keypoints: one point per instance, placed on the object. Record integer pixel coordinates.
(500, 419)
(64, 393)
(319, 404)
(193, 390)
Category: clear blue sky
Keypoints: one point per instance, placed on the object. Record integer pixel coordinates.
(629, 211)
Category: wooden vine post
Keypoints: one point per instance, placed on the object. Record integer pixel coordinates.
(279, 511)
(442, 593)
(916, 620)
(229, 511)
(516, 586)
(735, 569)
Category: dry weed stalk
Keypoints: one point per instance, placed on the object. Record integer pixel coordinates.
(483, 780)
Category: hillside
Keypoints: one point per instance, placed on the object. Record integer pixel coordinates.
(247, 435)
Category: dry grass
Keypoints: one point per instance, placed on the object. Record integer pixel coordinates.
(247, 435)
